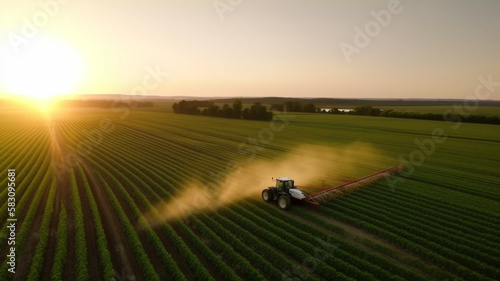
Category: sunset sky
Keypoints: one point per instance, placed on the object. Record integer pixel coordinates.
(428, 49)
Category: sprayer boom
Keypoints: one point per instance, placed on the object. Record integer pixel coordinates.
(350, 186)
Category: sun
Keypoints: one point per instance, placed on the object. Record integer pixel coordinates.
(41, 70)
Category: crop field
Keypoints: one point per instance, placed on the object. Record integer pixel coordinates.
(152, 195)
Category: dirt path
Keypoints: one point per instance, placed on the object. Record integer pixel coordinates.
(62, 197)
(93, 260)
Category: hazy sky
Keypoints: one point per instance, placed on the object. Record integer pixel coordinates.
(428, 49)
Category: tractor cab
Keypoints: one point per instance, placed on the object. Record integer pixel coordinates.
(284, 184)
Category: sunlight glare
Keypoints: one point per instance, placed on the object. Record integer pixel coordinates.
(42, 70)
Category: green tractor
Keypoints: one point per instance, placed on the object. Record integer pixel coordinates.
(283, 192)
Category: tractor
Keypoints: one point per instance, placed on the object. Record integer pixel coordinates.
(284, 192)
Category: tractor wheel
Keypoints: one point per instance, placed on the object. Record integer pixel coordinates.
(266, 195)
(284, 202)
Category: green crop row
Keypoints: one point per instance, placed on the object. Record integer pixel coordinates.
(80, 240)
(61, 251)
(312, 218)
(235, 259)
(44, 231)
(226, 272)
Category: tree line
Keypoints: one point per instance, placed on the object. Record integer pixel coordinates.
(367, 110)
(294, 106)
(207, 108)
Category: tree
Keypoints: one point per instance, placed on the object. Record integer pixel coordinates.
(257, 112)
(213, 110)
(237, 106)
(277, 106)
(293, 106)
(245, 113)
(375, 112)
(309, 107)
(227, 112)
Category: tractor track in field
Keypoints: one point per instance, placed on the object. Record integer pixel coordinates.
(121, 253)
(354, 236)
(62, 198)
